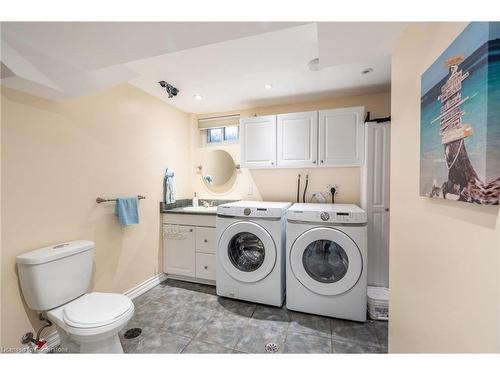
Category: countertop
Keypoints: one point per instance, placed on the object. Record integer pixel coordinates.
(177, 207)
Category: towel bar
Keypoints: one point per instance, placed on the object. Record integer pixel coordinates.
(101, 200)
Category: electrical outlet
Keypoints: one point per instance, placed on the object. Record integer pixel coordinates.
(329, 186)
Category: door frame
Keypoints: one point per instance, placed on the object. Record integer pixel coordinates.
(378, 214)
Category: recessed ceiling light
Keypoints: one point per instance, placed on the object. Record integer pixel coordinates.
(367, 71)
(268, 86)
(198, 97)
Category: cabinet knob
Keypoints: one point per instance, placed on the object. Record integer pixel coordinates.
(206, 267)
(314, 161)
(272, 163)
(321, 161)
(191, 230)
(205, 240)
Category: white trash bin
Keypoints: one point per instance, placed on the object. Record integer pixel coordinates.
(378, 303)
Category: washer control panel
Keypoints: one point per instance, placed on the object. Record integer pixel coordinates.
(274, 210)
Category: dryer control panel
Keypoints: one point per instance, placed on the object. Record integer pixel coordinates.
(327, 213)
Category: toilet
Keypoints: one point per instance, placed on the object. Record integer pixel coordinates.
(55, 280)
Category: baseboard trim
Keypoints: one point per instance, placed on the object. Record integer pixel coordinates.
(190, 279)
(52, 340)
(143, 287)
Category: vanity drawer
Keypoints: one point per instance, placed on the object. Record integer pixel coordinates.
(205, 240)
(205, 266)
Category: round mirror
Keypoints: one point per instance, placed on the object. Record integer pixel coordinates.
(218, 171)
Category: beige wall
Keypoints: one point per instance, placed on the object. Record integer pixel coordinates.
(58, 157)
(444, 256)
(281, 184)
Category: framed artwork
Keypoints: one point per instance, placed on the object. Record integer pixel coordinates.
(460, 119)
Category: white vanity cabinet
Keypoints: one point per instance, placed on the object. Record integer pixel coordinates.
(258, 142)
(297, 139)
(189, 247)
(178, 259)
(326, 138)
(341, 137)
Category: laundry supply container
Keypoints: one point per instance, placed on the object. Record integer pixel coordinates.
(378, 303)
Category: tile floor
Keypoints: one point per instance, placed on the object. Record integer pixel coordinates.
(182, 317)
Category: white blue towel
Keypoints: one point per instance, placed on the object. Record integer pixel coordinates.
(126, 210)
(169, 186)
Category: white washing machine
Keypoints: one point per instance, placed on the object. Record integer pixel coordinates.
(326, 260)
(251, 251)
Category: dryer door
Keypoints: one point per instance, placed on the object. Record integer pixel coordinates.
(247, 251)
(326, 261)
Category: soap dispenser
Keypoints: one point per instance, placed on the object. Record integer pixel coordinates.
(195, 200)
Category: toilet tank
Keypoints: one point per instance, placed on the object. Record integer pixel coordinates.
(54, 275)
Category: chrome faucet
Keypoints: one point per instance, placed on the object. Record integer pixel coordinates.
(207, 204)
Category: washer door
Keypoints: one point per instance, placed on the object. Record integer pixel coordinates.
(247, 251)
(326, 261)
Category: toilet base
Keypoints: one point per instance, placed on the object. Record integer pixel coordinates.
(109, 344)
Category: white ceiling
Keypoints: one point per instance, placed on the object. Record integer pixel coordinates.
(228, 64)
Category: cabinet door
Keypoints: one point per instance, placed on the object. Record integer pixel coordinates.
(258, 142)
(179, 250)
(205, 240)
(297, 139)
(341, 137)
(205, 266)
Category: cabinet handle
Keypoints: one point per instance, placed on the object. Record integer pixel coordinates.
(206, 267)
(205, 240)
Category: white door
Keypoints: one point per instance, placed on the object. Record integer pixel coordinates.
(247, 251)
(326, 261)
(341, 137)
(297, 139)
(179, 250)
(375, 199)
(258, 142)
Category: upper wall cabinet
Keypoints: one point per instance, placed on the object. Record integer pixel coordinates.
(297, 139)
(258, 142)
(330, 138)
(341, 137)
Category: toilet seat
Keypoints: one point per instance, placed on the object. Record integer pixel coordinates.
(95, 310)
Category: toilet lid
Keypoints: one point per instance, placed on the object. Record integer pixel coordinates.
(96, 309)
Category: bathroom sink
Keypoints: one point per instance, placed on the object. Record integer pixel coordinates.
(200, 209)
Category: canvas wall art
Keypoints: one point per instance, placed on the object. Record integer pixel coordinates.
(460, 119)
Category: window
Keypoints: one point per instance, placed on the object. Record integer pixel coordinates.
(231, 133)
(215, 135)
(227, 133)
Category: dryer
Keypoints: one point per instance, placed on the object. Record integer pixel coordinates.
(326, 260)
(251, 251)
